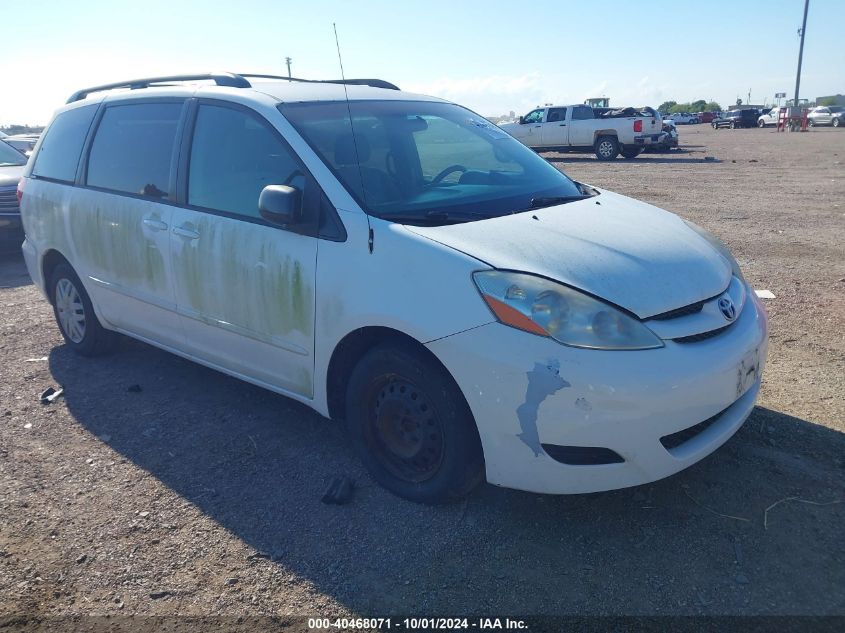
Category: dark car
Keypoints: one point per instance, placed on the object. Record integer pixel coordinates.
(12, 163)
(747, 117)
(706, 117)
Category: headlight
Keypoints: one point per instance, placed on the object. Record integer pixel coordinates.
(570, 317)
(719, 245)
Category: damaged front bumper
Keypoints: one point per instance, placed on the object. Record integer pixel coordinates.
(556, 419)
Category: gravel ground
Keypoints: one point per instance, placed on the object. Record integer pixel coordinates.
(200, 495)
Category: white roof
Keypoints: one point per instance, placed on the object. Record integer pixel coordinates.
(296, 91)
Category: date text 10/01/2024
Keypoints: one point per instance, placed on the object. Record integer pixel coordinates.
(446, 624)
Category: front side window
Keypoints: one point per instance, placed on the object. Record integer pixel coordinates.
(59, 154)
(535, 116)
(133, 149)
(234, 155)
(419, 161)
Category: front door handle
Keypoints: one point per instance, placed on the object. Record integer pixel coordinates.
(563, 125)
(186, 232)
(155, 224)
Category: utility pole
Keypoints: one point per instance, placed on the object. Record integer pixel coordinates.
(802, 32)
(749, 97)
(288, 61)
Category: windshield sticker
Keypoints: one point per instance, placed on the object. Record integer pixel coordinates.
(488, 128)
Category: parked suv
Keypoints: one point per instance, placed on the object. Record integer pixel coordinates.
(826, 115)
(397, 262)
(747, 117)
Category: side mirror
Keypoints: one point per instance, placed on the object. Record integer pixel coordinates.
(280, 204)
(521, 120)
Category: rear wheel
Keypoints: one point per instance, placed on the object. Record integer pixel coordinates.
(836, 122)
(607, 148)
(732, 125)
(811, 123)
(761, 123)
(715, 125)
(75, 314)
(412, 427)
(631, 152)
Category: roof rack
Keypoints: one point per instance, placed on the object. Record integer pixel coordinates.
(232, 80)
(221, 79)
(373, 83)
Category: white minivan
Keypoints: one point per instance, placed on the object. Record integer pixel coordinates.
(396, 262)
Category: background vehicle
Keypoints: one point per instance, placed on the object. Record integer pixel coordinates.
(12, 164)
(737, 118)
(608, 132)
(684, 118)
(24, 143)
(706, 117)
(827, 115)
(668, 139)
(770, 117)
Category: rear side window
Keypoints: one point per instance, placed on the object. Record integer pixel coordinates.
(62, 144)
(133, 149)
(234, 155)
(581, 113)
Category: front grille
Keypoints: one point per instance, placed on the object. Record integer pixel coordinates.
(695, 338)
(681, 437)
(582, 455)
(9, 200)
(693, 308)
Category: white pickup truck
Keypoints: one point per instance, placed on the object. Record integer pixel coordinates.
(605, 131)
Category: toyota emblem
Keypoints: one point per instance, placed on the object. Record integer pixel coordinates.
(727, 308)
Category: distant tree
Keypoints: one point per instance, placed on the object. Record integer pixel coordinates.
(698, 106)
(680, 107)
(712, 106)
(827, 101)
(666, 106)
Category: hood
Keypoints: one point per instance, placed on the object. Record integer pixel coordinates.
(10, 174)
(632, 254)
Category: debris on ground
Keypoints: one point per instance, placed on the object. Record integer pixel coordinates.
(765, 294)
(134, 389)
(339, 491)
(50, 394)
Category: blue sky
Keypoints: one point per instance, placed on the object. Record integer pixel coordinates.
(491, 56)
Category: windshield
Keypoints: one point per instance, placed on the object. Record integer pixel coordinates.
(427, 162)
(10, 156)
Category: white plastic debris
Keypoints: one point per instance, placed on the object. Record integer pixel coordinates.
(765, 294)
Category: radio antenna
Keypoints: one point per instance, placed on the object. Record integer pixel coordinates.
(354, 139)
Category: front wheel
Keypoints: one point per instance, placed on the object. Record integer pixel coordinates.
(811, 123)
(607, 148)
(732, 125)
(75, 314)
(836, 123)
(631, 152)
(412, 427)
(715, 126)
(761, 123)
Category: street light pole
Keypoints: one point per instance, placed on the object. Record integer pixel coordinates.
(801, 53)
(288, 61)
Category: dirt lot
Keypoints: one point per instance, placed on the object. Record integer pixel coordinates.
(201, 495)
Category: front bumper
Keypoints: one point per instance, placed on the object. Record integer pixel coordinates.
(526, 391)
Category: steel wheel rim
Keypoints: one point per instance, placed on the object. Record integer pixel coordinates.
(403, 431)
(605, 148)
(70, 310)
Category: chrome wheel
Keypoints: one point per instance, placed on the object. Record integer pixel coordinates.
(70, 310)
(606, 149)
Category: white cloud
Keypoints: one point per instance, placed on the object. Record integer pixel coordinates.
(490, 95)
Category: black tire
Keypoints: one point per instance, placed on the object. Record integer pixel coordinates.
(836, 122)
(811, 123)
(412, 427)
(715, 126)
(761, 123)
(631, 152)
(732, 125)
(606, 148)
(75, 315)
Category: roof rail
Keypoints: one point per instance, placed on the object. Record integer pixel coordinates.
(221, 79)
(373, 83)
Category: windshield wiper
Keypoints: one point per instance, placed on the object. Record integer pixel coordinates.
(548, 201)
(436, 217)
